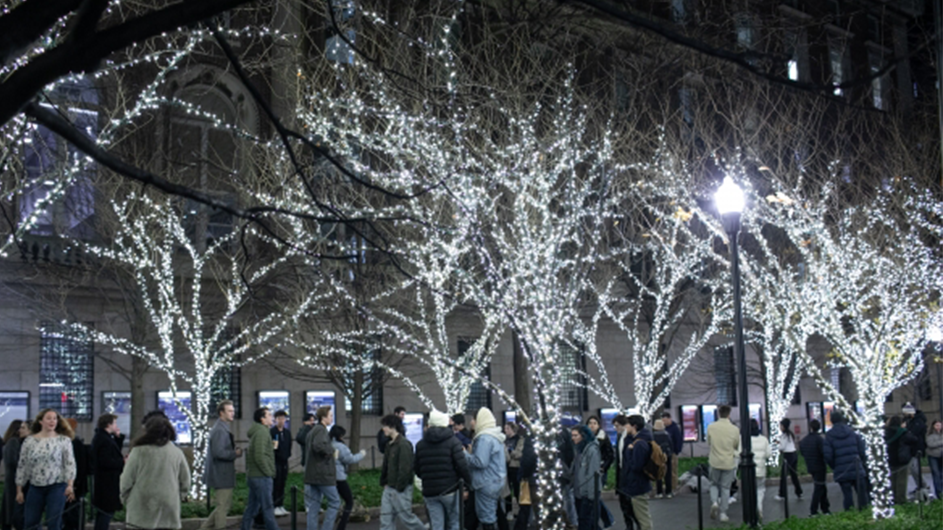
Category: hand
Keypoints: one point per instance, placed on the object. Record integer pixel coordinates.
(238, 452)
(19, 497)
(363, 452)
(336, 454)
(464, 495)
(69, 494)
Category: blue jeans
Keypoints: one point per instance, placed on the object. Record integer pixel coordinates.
(260, 498)
(313, 495)
(49, 498)
(443, 511)
(569, 504)
(398, 505)
(486, 507)
(936, 471)
(588, 514)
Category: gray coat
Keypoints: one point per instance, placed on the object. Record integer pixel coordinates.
(153, 480)
(220, 473)
(319, 467)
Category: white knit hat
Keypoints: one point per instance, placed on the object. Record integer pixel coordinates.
(438, 419)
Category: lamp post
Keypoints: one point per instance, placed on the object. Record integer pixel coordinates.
(936, 335)
(729, 199)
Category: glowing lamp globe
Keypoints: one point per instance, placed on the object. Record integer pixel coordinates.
(729, 197)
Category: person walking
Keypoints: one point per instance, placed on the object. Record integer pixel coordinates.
(760, 454)
(635, 484)
(260, 471)
(344, 458)
(608, 456)
(845, 453)
(625, 501)
(440, 463)
(109, 463)
(514, 443)
(281, 438)
(586, 481)
(677, 445)
(396, 478)
(934, 441)
(787, 447)
(661, 437)
(155, 478)
(321, 472)
(302, 436)
(47, 464)
(915, 421)
(382, 438)
(488, 468)
(70, 513)
(220, 472)
(901, 447)
(812, 448)
(11, 512)
(723, 438)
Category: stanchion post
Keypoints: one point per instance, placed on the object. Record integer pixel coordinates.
(783, 475)
(596, 496)
(373, 456)
(700, 505)
(208, 510)
(294, 507)
(461, 503)
(82, 512)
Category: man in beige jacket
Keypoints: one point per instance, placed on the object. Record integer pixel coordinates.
(723, 438)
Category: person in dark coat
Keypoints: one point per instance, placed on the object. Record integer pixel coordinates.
(635, 484)
(440, 463)
(528, 475)
(677, 444)
(845, 453)
(661, 437)
(915, 421)
(70, 515)
(302, 435)
(901, 447)
(382, 438)
(11, 513)
(813, 451)
(281, 435)
(109, 463)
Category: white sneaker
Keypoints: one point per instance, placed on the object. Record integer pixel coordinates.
(714, 510)
(733, 500)
(280, 512)
(778, 498)
(724, 518)
(659, 496)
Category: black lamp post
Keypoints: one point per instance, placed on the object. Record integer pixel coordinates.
(729, 199)
(936, 335)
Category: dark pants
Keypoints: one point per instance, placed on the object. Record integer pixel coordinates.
(588, 512)
(523, 515)
(936, 471)
(71, 518)
(103, 520)
(49, 499)
(790, 466)
(471, 517)
(628, 512)
(665, 483)
(848, 498)
(343, 489)
(819, 493)
(281, 478)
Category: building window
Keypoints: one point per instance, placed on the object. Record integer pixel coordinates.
(66, 372)
(924, 386)
(227, 384)
(725, 376)
(838, 61)
(372, 397)
(687, 97)
(746, 31)
(50, 160)
(680, 11)
(478, 396)
(796, 46)
(573, 394)
(336, 48)
(880, 83)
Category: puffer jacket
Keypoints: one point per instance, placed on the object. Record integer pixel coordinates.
(440, 462)
(344, 458)
(319, 465)
(760, 447)
(896, 438)
(845, 453)
(487, 463)
(634, 480)
(917, 425)
(812, 448)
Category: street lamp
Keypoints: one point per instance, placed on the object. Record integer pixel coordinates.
(729, 199)
(936, 335)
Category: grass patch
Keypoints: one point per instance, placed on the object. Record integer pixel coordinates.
(906, 517)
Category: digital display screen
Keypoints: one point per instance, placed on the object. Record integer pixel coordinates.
(708, 416)
(569, 419)
(756, 413)
(606, 416)
(178, 418)
(827, 408)
(276, 400)
(509, 416)
(315, 399)
(119, 404)
(689, 423)
(413, 421)
(814, 411)
(13, 406)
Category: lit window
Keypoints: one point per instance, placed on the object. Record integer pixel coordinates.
(793, 69)
(66, 372)
(879, 84)
(573, 394)
(838, 60)
(336, 48)
(372, 389)
(478, 396)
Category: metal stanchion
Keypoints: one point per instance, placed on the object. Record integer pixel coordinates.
(783, 475)
(82, 512)
(208, 510)
(596, 499)
(461, 503)
(294, 508)
(373, 456)
(700, 503)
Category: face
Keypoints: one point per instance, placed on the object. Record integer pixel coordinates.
(280, 421)
(576, 436)
(267, 419)
(112, 427)
(630, 429)
(24, 430)
(458, 426)
(229, 412)
(329, 419)
(508, 431)
(667, 421)
(593, 425)
(938, 426)
(388, 431)
(401, 414)
(620, 428)
(50, 421)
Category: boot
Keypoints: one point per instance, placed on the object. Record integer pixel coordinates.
(489, 526)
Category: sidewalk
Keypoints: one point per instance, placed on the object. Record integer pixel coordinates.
(679, 512)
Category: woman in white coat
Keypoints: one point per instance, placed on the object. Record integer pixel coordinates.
(760, 455)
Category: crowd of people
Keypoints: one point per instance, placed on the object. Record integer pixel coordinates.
(482, 466)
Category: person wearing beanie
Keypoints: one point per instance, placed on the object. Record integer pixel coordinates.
(812, 448)
(488, 467)
(915, 421)
(440, 463)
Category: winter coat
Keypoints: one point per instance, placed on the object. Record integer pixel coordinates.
(344, 458)
(463, 438)
(529, 460)
(382, 441)
(397, 471)
(220, 472)
(934, 443)
(109, 463)
(677, 438)
(635, 454)
(80, 453)
(301, 439)
(440, 462)
(845, 453)
(11, 457)
(515, 447)
(812, 448)
(283, 453)
(486, 462)
(152, 483)
(320, 469)
(606, 452)
(723, 438)
(260, 458)
(917, 425)
(567, 453)
(901, 446)
(586, 465)
(760, 447)
(663, 439)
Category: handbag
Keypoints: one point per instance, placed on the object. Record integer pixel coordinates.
(524, 499)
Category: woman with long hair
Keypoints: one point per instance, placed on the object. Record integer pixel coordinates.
(11, 513)
(607, 455)
(155, 478)
(344, 459)
(48, 466)
(935, 456)
(788, 446)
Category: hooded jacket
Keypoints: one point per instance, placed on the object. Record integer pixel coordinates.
(586, 465)
(486, 462)
(260, 458)
(344, 458)
(845, 453)
(760, 447)
(812, 448)
(319, 465)
(440, 462)
(635, 453)
(896, 437)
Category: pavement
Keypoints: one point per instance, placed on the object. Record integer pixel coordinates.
(679, 512)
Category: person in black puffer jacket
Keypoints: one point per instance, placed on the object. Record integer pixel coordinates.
(901, 447)
(812, 448)
(845, 453)
(440, 463)
(915, 421)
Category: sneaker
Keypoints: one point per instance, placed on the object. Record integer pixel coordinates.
(668, 496)
(714, 510)
(724, 518)
(659, 496)
(779, 498)
(798, 495)
(733, 500)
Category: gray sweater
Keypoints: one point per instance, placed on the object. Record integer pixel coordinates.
(220, 471)
(152, 483)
